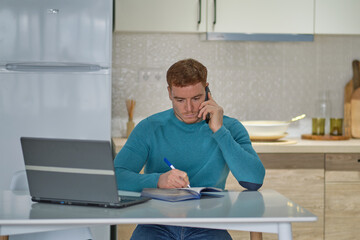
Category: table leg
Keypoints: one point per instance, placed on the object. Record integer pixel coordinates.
(113, 232)
(256, 236)
(285, 232)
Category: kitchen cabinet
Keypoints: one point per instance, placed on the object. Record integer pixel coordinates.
(239, 16)
(337, 17)
(232, 16)
(261, 16)
(342, 196)
(160, 15)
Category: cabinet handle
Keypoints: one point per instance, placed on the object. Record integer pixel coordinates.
(358, 160)
(214, 22)
(199, 20)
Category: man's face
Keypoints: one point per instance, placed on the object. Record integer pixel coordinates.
(186, 102)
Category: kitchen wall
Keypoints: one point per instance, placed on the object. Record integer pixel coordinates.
(250, 80)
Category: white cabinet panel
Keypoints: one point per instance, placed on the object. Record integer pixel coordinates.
(160, 15)
(261, 16)
(337, 17)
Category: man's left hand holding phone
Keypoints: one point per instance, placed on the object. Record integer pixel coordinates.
(209, 109)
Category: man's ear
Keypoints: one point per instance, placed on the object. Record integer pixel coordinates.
(170, 95)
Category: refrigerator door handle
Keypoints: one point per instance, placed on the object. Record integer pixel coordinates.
(53, 67)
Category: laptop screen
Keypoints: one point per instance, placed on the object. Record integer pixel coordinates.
(70, 171)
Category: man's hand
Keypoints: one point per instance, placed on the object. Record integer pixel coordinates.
(216, 113)
(173, 179)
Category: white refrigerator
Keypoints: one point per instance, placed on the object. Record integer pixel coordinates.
(55, 74)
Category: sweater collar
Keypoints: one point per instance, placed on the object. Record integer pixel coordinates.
(181, 124)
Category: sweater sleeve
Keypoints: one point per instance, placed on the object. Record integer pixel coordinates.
(131, 159)
(240, 156)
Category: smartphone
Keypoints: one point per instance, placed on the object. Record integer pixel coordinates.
(207, 90)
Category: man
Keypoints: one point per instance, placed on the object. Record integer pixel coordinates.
(202, 153)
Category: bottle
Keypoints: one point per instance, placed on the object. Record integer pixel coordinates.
(322, 112)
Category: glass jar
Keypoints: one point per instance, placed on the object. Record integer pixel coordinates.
(321, 114)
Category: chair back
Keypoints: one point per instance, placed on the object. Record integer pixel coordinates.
(19, 181)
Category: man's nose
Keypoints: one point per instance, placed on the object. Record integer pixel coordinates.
(188, 106)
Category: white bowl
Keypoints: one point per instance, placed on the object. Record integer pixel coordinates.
(266, 128)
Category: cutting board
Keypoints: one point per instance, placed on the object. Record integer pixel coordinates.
(347, 108)
(348, 92)
(355, 113)
(324, 137)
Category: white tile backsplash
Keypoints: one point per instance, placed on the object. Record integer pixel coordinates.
(250, 80)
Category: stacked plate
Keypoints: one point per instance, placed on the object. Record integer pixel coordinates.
(266, 130)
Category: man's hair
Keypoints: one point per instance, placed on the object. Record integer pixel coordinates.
(186, 72)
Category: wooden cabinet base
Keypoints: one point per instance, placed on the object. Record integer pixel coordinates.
(342, 210)
(124, 231)
(255, 235)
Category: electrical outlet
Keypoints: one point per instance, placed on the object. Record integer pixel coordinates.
(151, 75)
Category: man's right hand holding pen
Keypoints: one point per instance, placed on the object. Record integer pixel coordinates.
(174, 178)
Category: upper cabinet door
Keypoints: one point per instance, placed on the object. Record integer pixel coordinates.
(337, 17)
(160, 15)
(261, 16)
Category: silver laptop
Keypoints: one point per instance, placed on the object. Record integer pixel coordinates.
(73, 172)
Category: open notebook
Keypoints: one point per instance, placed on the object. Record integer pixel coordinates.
(73, 172)
(181, 194)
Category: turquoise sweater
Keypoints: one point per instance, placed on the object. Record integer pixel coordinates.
(205, 156)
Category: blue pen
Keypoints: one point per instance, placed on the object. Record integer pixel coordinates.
(172, 167)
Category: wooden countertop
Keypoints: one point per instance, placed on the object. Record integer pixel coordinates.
(308, 146)
(288, 145)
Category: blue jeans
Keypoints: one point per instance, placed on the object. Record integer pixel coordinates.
(164, 232)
